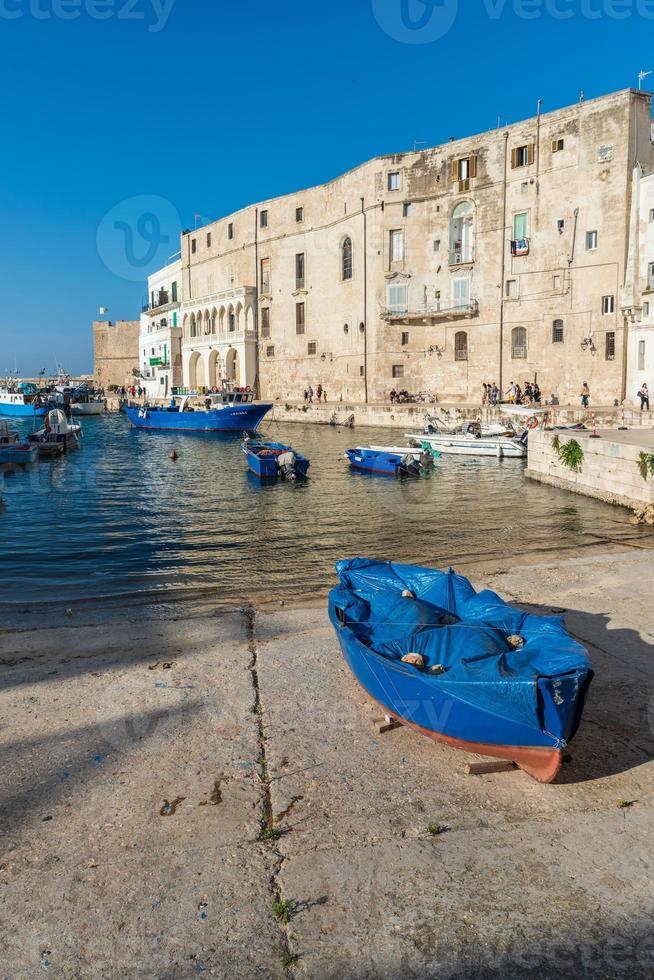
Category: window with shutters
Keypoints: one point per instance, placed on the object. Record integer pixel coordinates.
(512, 289)
(557, 332)
(263, 219)
(265, 322)
(608, 305)
(557, 145)
(299, 318)
(208, 239)
(346, 259)
(463, 170)
(462, 231)
(194, 245)
(461, 292)
(591, 241)
(299, 215)
(521, 226)
(523, 156)
(396, 299)
(312, 348)
(299, 270)
(265, 276)
(394, 182)
(398, 370)
(230, 231)
(405, 338)
(519, 342)
(461, 346)
(397, 245)
(609, 349)
(407, 207)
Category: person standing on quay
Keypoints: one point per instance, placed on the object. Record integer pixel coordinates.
(310, 394)
(585, 395)
(643, 394)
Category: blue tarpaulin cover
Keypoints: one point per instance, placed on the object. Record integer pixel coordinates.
(539, 686)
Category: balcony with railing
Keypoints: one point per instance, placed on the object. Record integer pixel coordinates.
(159, 302)
(432, 312)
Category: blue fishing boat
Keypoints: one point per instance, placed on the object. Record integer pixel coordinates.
(461, 667)
(14, 450)
(384, 462)
(270, 460)
(23, 401)
(225, 411)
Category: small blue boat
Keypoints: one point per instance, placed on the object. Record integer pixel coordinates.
(480, 675)
(226, 411)
(270, 460)
(384, 463)
(13, 450)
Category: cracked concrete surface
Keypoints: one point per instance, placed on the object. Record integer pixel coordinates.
(166, 779)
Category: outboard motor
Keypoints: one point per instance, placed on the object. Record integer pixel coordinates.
(286, 466)
(410, 466)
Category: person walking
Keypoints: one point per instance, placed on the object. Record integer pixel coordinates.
(585, 395)
(643, 394)
(306, 397)
(319, 393)
(511, 392)
(495, 394)
(310, 394)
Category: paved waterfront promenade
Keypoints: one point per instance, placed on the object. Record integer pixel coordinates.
(142, 753)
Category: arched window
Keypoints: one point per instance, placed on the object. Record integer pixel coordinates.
(557, 332)
(193, 326)
(346, 256)
(462, 233)
(519, 342)
(461, 346)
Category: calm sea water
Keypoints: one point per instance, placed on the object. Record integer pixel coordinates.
(118, 519)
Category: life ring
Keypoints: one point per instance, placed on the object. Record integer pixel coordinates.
(532, 422)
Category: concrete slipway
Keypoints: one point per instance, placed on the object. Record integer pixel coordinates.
(134, 793)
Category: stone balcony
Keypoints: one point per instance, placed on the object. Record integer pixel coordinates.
(433, 314)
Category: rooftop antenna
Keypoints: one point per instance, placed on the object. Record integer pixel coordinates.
(642, 75)
(417, 143)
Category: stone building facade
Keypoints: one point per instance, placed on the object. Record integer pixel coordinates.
(496, 258)
(639, 289)
(160, 340)
(115, 353)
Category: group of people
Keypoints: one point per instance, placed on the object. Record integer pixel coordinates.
(527, 394)
(490, 394)
(320, 394)
(131, 391)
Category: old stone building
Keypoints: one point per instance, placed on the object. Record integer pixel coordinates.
(499, 258)
(115, 352)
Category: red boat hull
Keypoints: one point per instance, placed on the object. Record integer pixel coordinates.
(541, 764)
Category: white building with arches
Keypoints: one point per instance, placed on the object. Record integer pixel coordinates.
(219, 339)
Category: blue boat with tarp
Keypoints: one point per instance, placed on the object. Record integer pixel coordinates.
(460, 666)
(274, 460)
(222, 411)
(388, 463)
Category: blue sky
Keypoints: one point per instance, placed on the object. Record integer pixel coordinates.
(210, 105)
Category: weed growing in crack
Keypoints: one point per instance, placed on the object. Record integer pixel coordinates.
(283, 910)
(290, 959)
(269, 833)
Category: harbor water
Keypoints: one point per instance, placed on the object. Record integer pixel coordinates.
(119, 521)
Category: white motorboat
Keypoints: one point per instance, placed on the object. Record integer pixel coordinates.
(436, 425)
(401, 451)
(471, 442)
(57, 436)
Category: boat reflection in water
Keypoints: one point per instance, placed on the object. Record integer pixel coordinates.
(217, 411)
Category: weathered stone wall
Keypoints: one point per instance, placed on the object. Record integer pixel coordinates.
(609, 470)
(115, 352)
(354, 348)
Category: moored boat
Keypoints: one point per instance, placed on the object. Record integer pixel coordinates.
(15, 450)
(385, 463)
(57, 436)
(482, 676)
(223, 411)
(23, 401)
(471, 442)
(271, 460)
